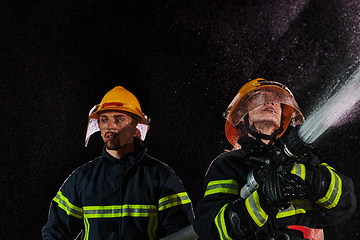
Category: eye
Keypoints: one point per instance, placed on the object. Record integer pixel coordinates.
(118, 120)
(103, 120)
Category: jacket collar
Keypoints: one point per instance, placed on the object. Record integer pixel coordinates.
(249, 143)
(133, 158)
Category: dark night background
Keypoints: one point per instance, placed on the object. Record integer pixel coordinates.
(185, 60)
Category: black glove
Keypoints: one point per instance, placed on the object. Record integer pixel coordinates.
(278, 189)
(317, 181)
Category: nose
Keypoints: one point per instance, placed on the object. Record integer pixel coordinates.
(111, 124)
(271, 103)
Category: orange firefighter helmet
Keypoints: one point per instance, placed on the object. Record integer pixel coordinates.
(254, 94)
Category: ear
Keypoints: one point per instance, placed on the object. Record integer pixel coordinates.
(137, 133)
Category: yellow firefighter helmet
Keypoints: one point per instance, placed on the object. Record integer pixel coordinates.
(122, 100)
(254, 94)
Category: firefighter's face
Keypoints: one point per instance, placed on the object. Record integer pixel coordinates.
(266, 118)
(117, 129)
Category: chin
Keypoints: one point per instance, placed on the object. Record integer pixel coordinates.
(273, 120)
(112, 146)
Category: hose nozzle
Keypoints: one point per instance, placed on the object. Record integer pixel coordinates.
(294, 146)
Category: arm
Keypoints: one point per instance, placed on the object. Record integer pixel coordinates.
(226, 175)
(175, 208)
(221, 214)
(331, 193)
(65, 215)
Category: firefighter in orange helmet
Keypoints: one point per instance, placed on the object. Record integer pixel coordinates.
(124, 194)
(256, 191)
(258, 93)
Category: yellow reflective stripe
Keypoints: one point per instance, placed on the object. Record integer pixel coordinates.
(220, 224)
(222, 186)
(328, 166)
(152, 226)
(87, 228)
(67, 206)
(297, 207)
(299, 170)
(127, 210)
(253, 207)
(173, 200)
(332, 196)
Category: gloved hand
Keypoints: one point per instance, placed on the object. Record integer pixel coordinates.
(317, 181)
(278, 189)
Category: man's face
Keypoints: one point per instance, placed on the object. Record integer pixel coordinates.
(117, 128)
(267, 115)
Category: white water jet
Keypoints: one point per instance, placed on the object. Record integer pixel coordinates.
(332, 110)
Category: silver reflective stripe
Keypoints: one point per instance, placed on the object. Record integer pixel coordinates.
(127, 210)
(332, 196)
(173, 200)
(220, 224)
(222, 186)
(117, 211)
(87, 228)
(299, 170)
(253, 207)
(67, 206)
(297, 207)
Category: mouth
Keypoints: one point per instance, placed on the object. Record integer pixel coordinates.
(269, 109)
(110, 136)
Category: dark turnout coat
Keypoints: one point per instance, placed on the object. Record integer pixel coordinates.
(136, 197)
(228, 174)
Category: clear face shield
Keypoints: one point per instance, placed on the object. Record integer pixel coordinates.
(93, 126)
(242, 105)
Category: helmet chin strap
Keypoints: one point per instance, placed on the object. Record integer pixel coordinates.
(260, 136)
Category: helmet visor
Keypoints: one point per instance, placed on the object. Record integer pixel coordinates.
(93, 125)
(242, 105)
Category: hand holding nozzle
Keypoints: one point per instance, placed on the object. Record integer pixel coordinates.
(278, 189)
(290, 150)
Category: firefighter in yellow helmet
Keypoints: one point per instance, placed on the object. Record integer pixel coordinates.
(263, 189)
(124, 194)
(127, 102)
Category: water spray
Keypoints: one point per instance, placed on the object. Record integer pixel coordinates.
(332, 111)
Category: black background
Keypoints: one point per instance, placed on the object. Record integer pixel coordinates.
(185, 60)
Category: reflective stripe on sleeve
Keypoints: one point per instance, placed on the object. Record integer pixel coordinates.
(297, 207)
(332, 196)
(299, 170)
(253, 207)
(67, 206)
(222, 186)
(127, 210)
(220, 224)
(173, 200)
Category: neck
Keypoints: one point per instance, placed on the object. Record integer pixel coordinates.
(122, 151)
(263, 129)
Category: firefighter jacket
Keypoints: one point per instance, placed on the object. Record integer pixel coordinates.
(136, 197)
(226, 176)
